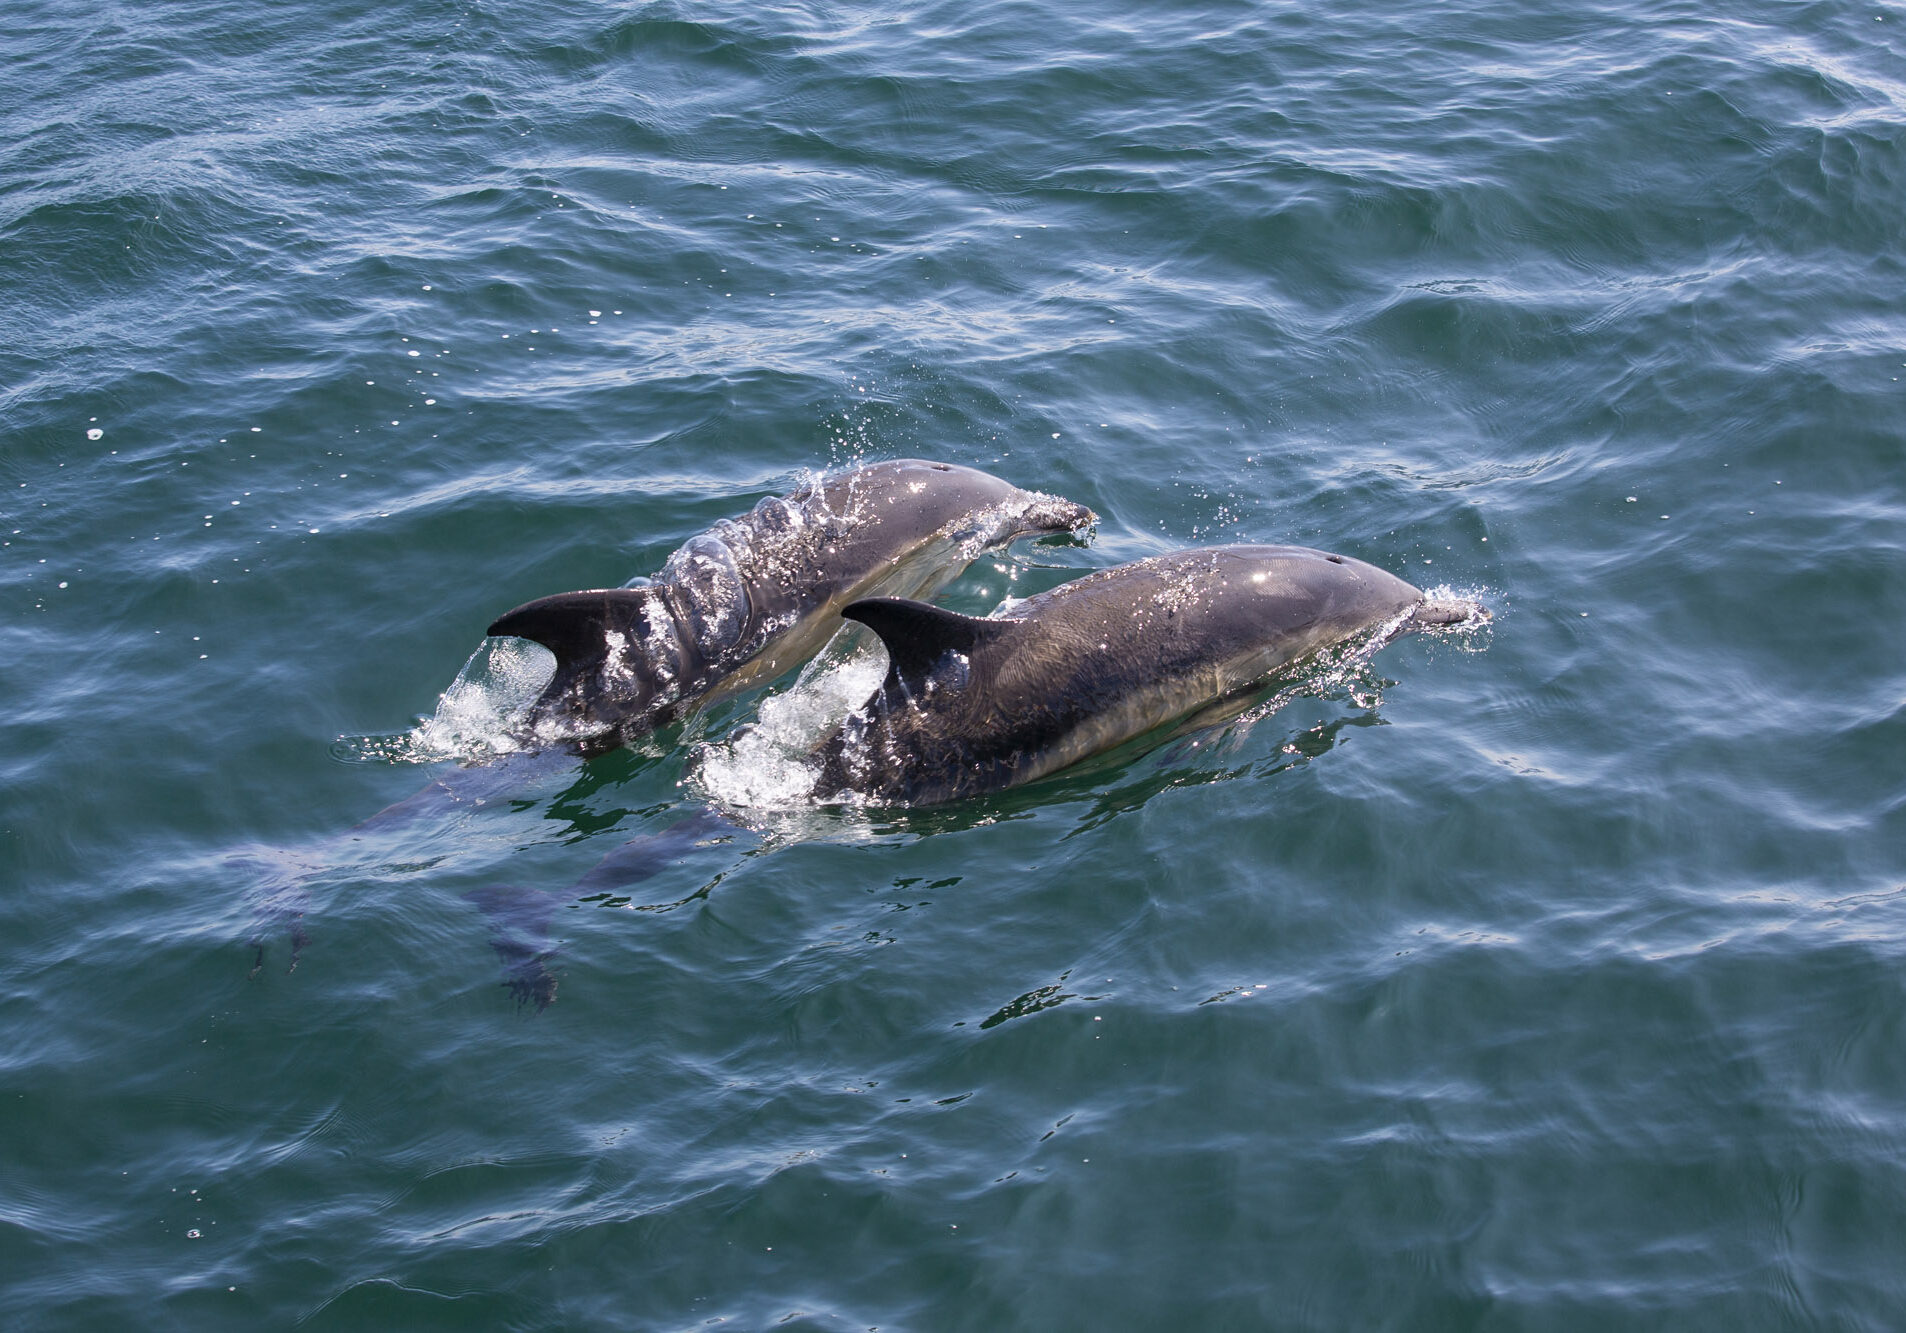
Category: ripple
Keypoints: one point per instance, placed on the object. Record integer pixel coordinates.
(1557, 982)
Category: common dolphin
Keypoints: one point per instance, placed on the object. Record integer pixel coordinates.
(752, 597)
(974, 705)
(732, 608)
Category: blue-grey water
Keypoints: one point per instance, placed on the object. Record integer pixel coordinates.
(1549, 978)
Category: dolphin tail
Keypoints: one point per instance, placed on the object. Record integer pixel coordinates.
(1054, 515)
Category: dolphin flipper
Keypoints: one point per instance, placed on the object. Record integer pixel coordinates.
(519, 922)
(279, 905)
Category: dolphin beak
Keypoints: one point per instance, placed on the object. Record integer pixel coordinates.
(1437, 615)
(1053, 513)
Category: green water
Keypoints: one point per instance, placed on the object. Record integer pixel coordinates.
(1550, 978)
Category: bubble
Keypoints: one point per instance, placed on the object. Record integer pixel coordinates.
(476, 717)
(712, 596)
(768, 767)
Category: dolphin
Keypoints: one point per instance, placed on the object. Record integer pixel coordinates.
(973, 705)
(752, 597)
(734, 607)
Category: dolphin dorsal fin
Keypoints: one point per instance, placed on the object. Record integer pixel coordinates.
(917, 636)
(575, 625)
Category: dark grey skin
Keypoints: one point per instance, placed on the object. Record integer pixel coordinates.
(756, 596)
(972, 706)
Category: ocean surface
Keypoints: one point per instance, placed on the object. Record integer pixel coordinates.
(1547, 977)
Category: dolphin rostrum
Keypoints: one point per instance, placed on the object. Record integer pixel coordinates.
(752, 597)
(974, 705)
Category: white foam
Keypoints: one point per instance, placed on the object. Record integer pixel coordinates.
(1474, 632)
(769, 766)
(478, 717)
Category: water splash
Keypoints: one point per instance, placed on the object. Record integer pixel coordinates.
(1475, 629)
(769, 766)
(477, 718)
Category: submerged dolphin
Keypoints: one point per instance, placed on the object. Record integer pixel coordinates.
(972, 705)
(752, 597)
